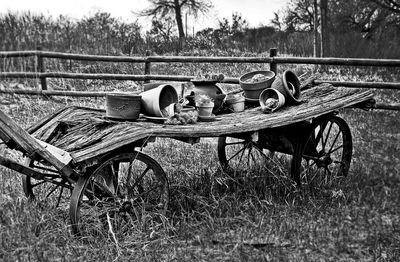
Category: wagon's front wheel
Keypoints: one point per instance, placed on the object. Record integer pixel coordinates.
(52, 189)
(241, 154)
(324, 155)
(126, 189)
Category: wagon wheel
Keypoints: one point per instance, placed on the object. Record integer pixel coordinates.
(236, 154)
(324, 155)
(53, 188)
(125, 187)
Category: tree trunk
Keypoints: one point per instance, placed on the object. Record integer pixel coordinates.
(324, 29)
(316, 49)
(179, 22)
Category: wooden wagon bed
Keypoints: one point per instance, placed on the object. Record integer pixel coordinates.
(85, 133)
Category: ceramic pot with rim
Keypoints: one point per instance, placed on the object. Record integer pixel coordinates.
(158, 99)
(289, 85)
(235, 103)
(205, 109)
(253, 83)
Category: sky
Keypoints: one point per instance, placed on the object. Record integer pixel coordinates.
(256, 12)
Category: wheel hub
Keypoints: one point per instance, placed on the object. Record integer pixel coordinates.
(324, 161)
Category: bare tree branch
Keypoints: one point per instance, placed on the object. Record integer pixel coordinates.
(391, 5)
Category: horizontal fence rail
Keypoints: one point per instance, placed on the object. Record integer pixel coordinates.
(183, 78)
(147, 60)
(199, 59)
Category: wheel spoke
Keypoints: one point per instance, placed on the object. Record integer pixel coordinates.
(236, 143)
(59, 196)
(327, 135)
(241, 156)
(311, 157)
(140, 177)
(320, 133)
(334, 141)
(52, 190)
(242, 149)
(39, 183)
(254, 159)
(249, 154)
(129, 176)
(336, 149)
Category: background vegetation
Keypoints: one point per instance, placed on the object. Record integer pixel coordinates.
(356, 29)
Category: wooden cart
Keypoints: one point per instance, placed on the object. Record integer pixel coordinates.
(99, 160)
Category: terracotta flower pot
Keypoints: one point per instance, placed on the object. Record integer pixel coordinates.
(157, 99)
(289, 85)
(211, 89)
(271, 100)
(236, 103)
(252, 86)
(205, 109)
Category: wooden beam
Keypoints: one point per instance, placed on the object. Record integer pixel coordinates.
(30, 145)
(11, 164)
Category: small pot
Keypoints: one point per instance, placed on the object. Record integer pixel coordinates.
(236, 104)
(274, 94)
(205, 109)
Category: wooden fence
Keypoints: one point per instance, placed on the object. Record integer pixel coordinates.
(273, 60)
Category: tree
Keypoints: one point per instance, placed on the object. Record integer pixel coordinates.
(163, 8)
(316, 53)
(325, 39)
(391, 5)
(162, 28)
(300, 15)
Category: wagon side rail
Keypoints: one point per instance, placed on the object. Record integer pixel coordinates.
(15, 137)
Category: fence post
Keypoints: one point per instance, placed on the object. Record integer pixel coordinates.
(273, 66)
(41, 68)
(147, 65)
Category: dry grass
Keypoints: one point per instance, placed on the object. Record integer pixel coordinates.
(212, 217)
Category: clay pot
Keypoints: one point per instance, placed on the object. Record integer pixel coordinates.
(236, 104)
(205, 109)
(274, 94)
(211, 89)
(289, 85)
(252, 90)
(159, 98)
(123, 106)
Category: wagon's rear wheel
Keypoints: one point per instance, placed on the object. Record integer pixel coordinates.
(54, 189)
(123, 189)
(238, 155)
(324, 155)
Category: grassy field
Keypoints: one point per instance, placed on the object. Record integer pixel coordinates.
(212, 217)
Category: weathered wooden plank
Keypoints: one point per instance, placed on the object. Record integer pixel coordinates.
(29, 144)
(48, 119)
(63, 156)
